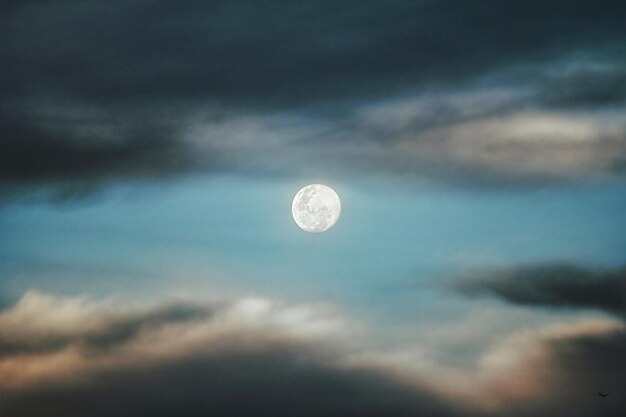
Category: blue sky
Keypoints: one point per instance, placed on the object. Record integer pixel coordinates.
(231, 232)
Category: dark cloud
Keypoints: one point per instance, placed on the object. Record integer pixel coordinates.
(152, 71)
(573, 369)
(594, 86)
(564, 286)
(279, 50)
(121, 330)
(593, 360)
(556, 371)
(77, 150)
(59, 150)
(266, 383)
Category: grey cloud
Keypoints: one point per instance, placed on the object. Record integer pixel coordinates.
(77, 149)
(119, 331)
(158, 90)
(594, 85)
(33, 153)
(471, 137)
(269, 383)
(559, 286)
(267, 51)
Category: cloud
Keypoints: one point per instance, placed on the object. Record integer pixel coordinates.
(531, 146)
(472, 137)
(275, 51)
(73, 356)
(147, 90)
(559, 286)
(74, 144)
(556, 370)
(238, 358)
(594, 84)
(41, 324)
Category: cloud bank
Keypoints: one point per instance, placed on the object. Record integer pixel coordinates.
(68, 356)
(501, 92)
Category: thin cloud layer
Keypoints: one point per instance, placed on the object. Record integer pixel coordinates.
(68, 356)
(558, 286)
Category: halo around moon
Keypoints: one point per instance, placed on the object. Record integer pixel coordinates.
(316, 208)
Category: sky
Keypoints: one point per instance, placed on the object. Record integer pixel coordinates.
(149, 154)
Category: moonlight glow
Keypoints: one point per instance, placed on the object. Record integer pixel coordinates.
(316, 208)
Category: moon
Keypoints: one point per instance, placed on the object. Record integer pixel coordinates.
(316, 208)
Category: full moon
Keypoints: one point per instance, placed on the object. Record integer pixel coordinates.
(316, 208)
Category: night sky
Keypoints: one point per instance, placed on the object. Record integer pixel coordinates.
(149, 154)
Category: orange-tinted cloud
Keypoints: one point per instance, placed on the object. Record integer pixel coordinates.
(74, 356)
